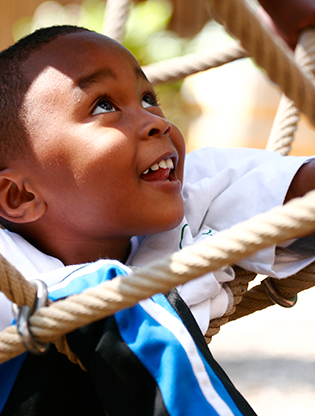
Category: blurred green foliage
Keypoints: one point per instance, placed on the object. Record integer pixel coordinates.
(145, 31)
(146, 34)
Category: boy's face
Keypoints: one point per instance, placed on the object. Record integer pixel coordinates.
(95, 129)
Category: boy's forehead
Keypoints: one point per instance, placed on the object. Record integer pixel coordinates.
(77, 53)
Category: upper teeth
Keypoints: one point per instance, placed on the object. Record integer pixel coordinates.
(164, 164)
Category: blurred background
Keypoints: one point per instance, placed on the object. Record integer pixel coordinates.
(270, 356)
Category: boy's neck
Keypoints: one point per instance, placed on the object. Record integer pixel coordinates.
(80, 253)
(74, 251)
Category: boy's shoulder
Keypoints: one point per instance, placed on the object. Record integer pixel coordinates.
(220, 156)
(209, 161)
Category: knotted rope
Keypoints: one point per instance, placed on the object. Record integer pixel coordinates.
(268, 52)
(48, 324)
(116, 14)
(288, 116)
(18, 290)
(256, 299)
(177, 68)
(227, 247)
(238, 287)
(14, 286)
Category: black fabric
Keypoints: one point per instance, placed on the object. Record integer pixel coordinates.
(116, 384)
(51, 385)
(123, 384)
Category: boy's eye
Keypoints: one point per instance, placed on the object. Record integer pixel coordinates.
(102, 107)
(149, 101)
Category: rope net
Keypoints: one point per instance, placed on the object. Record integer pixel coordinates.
(290, 221)
(282, 223)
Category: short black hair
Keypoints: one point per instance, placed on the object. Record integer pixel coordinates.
(13, 86)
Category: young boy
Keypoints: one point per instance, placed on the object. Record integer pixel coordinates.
(88, 161)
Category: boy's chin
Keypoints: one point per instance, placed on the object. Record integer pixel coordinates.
(177, 222)
(172, 223)
(165, 224)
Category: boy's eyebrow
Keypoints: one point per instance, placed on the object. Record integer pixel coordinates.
(140, 73)
(85, 82)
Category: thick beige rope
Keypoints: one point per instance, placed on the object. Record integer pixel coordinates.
(18, 290)
(247, 302)
(282, 135)
(177, 68)
(47, 324)
(268, 52)
(14, 286)
(288, 116)
(226, 247)
(257, 299)
(238, 287)
(116, 14)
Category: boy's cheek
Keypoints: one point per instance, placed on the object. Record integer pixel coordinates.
(180, 170)
(180, 209)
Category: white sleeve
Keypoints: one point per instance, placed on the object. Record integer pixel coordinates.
(224, 187)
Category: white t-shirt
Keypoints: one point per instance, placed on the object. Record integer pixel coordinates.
(222, 187)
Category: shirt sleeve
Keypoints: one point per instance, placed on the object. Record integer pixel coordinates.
(224, 187)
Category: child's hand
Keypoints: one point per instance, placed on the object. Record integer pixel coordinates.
(290, 17)
(303, 181)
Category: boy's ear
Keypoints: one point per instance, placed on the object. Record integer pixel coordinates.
(19, 203)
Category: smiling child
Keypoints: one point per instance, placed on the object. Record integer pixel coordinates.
(91, 169)
(92, 129)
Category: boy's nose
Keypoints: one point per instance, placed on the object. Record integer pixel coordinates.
(155, 127)
(157, 132)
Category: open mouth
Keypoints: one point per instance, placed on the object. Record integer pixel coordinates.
(161, 171)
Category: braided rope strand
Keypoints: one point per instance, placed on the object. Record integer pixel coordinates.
(177, 68)
(257, 299)
(225, 248)
(14, 286)
(47, 324)
(116, 14)
(288, 116)
(268, 52)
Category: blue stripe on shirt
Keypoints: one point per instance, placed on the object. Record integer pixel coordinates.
(8, 374)
(166, 360)
(73, 283)
(154, 344)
